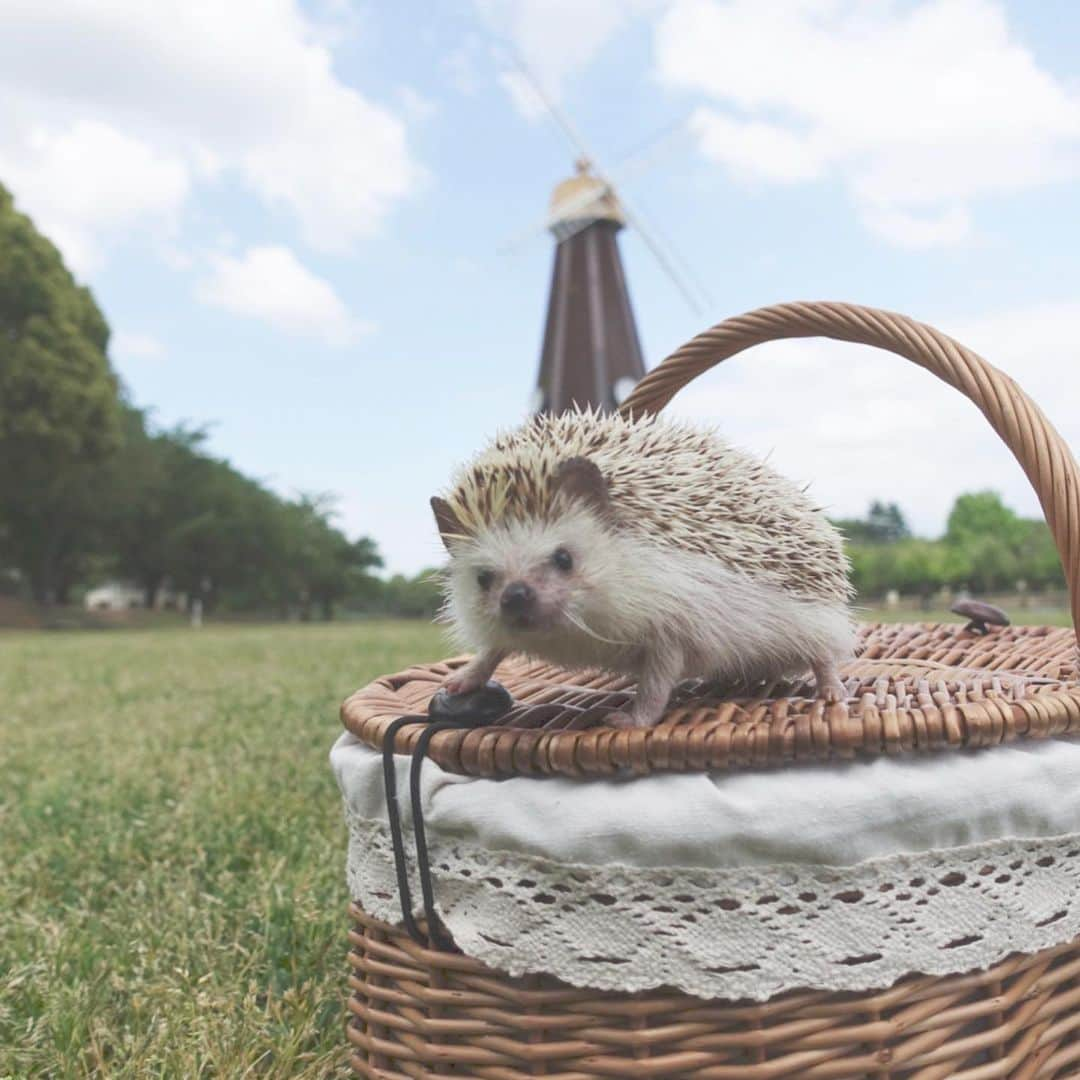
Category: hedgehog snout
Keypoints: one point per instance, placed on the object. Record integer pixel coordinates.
(518, 601)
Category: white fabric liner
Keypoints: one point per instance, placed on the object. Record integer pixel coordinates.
(740, 885)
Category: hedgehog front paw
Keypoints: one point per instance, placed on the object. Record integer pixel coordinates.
(474, 674)
(463, 682)
(833, 693)
(829, 687)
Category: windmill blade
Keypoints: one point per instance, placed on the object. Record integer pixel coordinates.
(679, 277)
(645, 154)
(516, 242)
(562, 121)
(667, 262)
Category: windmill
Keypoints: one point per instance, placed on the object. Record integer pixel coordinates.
(591, 353)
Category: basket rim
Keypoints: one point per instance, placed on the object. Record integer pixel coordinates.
(913, 688)
(1038, 447)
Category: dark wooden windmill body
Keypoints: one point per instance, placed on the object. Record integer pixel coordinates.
(591, 355)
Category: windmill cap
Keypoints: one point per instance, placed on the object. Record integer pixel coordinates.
(583, 197)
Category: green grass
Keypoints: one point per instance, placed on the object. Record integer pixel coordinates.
(172, 897)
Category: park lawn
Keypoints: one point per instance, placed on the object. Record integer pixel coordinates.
(172, 848)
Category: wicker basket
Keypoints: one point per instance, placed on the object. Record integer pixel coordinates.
(913, 688)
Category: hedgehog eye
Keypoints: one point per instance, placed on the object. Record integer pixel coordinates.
(563, 560)
(485, 579)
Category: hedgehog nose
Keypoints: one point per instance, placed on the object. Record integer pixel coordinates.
(517, 598)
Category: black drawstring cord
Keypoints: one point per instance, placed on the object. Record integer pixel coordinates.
(438, 939)
(445, 713)
(394, 816)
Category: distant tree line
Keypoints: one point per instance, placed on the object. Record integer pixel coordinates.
(986, 548)
(90, 489)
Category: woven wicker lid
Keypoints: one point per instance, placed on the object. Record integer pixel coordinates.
(912, 687)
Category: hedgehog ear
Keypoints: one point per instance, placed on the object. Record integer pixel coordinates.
(581, 478)
(447, 520)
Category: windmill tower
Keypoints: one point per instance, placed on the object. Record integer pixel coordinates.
(591, 353)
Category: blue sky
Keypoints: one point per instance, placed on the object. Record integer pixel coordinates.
(293, 217)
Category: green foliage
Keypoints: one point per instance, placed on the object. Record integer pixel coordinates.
(59, 402)
(986, 548)
(981, 516)
(58, 394)
(1040, 563)
(326, 567)
(884, 524)
(89, 488)
(416, 597)
(190, 520)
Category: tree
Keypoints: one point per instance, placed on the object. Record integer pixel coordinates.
(415, 597)
(986, 547)
(59, 401)
(871, 569)
(1002, 547)
(1040, 564)
(982, 514)
(226, 543)
(328, 566)
(86, 486)
(884, 524)
(994, 564)
(168, 497)
(915, 567)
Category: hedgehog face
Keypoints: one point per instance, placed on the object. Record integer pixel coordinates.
(536, 578)
(513, 585)
(522, 577)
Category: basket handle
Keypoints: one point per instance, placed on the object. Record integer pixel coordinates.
(1040, 450)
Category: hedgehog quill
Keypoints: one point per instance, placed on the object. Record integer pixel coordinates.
(645, 547)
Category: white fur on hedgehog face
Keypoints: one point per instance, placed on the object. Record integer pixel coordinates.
(570, 568)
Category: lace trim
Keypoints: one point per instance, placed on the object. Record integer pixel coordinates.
(739, 934)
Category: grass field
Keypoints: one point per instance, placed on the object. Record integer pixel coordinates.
(172, 851)
(171, 847)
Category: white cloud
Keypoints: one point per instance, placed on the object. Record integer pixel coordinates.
(916, 109)
(947, 227)
(90, 178)
(756, 150)
(556, 38)
(859, 423)
(270, 284)
(137, 346)
(524, 95)
(415, 106)
(152, 101)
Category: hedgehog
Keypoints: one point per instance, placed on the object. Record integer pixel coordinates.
(642, 546)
